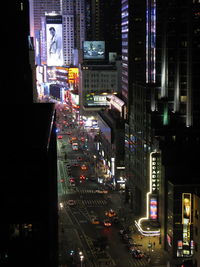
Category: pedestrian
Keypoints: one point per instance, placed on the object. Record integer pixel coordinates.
(154, 244)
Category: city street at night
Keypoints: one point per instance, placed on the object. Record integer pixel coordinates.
(101, 145)
(91, 200)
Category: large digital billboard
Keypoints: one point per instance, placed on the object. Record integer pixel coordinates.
(94, 50)
(54, 40)
(153, 211)
(96, 100)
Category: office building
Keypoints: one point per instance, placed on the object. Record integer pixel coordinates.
(77, 10)
(97, 81)
(38, 8)
(101, 25)
(160, 87)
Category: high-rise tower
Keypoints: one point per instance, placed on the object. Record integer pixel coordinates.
(160, 63)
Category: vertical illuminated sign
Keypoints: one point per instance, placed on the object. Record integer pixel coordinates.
(151, 41)
(113, 166)
(186, 218)
(155, 172)
(153, 210)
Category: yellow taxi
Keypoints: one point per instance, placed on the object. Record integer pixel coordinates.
(83, 167)
(95, 220)
(111, 213)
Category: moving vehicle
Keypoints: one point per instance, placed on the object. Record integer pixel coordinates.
(107, 223)
(82, 177)
(111, 213)
(71, 202)
(75, 146)
(95, 220)
(83, 167)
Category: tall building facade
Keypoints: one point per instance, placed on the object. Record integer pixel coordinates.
(77, 10)
(100, 25)
(38, 8)
(159, 79)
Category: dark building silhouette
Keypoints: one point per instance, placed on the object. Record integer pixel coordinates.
(29, 218)
(28, 184)
(16, 79)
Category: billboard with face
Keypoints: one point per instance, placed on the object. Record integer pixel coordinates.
(94, 50)
(54, 40)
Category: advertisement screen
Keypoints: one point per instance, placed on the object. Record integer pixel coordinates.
(186, 218)
(54, 40)
(153, 208)
(96, 100)
(94, 50)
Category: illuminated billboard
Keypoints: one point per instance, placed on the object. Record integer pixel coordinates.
(37, 48)
(186, 219)
(155, 171)
(54, 40)
(96, 100)
(153, 211)
(94, 50)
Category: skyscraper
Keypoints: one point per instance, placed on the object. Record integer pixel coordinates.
(77, 10)
(101, 25)
(38, 8)
(159, 78)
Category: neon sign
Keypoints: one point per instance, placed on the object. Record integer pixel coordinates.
(154, 182)
(153, 209)
(186, 217)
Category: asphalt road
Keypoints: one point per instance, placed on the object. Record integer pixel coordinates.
(76, 232)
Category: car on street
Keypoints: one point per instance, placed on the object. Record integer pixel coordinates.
(82, 177)
(60, 137)
(131, 249)
(110, 213)
(95, 220)
(138, 254)
(83, 167)
(126, 238)
(71, 202)
(107, 223)
(72, 184)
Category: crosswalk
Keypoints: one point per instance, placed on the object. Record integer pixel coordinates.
(87, 191)
(92, 202)
(138, 263)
